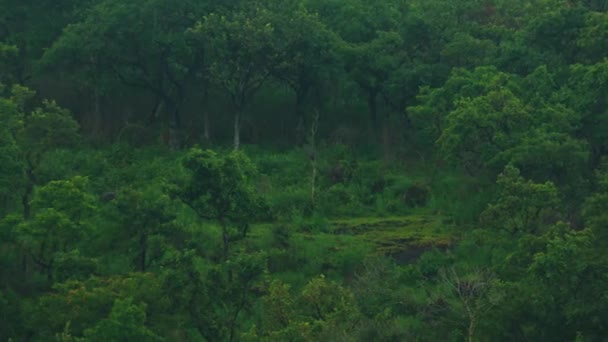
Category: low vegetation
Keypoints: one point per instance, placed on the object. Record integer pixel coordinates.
(303, 170)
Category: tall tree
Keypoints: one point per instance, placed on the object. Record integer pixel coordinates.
(307, 52)
(143, 44)
(242, 48)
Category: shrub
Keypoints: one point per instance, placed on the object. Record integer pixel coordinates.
(292, 199)
(416, 195)
(337, 200)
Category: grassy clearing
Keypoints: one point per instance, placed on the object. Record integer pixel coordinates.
(397, 235)
(404, 238)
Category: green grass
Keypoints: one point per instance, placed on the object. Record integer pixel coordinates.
(401, 237)
(392, 235)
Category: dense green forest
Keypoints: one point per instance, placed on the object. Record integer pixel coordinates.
(303, 170)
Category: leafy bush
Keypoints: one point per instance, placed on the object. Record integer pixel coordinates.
(284, 169)
(338, 200)
(292, 199)
(460, 197)
(316, 223)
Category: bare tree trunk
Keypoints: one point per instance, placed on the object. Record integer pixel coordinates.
(158, 108)
(471, 293)
(471, 330)
(237, 129)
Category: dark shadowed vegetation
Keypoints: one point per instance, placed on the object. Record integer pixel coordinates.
(303, 170)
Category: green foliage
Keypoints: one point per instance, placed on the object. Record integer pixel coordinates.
(549, 269)
(12, 175)
(242, 49)
(8, 54)
(69, 197)
(327, 301)
(323, 310)
(221, 187)
(48, 127)
(453, 185)
(467, 51)
(62, 210)
(88, 303)
(480, 128)
(522, 206)
(582, 93)
(147, 219)
(11, 315)
(126, 322)
(594, 209)
(279, 306)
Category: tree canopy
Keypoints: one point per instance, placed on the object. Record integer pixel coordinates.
(303, 170)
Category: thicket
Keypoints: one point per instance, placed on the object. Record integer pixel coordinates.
(303, 170)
